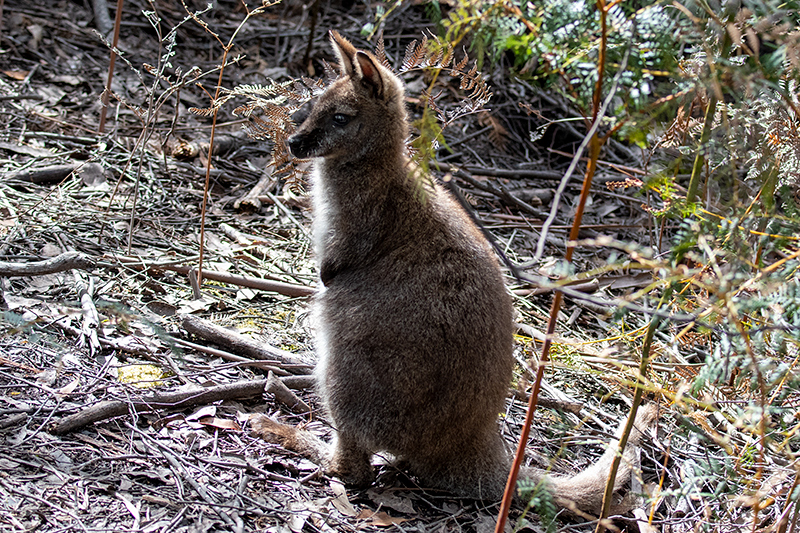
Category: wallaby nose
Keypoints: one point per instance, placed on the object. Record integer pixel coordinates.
(295, 143)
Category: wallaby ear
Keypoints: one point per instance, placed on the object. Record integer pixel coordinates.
(370, 74)
(344, 53)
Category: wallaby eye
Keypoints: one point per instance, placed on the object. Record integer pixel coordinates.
(340, 119)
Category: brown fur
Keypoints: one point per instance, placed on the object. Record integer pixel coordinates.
(414, 324)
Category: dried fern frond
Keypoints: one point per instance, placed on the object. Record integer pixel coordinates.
(269, 110)
(380, 53)
(205, 112)
(429, 53)
(458, 67)
(498, 134)
(429, 101)
(415, 54)
(276, 93)
(433, 54)
(627, 182)
(447, 57)
(330, 72)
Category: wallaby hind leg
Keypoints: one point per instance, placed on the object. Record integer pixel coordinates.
(475, 469)
(345, 459)
(350, 462)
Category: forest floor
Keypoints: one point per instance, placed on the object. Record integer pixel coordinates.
(102, 427)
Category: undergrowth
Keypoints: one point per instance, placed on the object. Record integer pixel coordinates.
(715, 86)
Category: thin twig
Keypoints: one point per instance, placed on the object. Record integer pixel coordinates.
(591, 137)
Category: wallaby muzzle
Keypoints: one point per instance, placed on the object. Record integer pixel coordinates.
(302, 145)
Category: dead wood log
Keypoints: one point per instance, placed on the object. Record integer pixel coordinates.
(500, 191)
(240, 390)
(60, 263)
(287, 289)
(239, 343)
(501, 173)
(183, 149)
(269, 366)
(245, 240)
(300, 202)
(101, 18)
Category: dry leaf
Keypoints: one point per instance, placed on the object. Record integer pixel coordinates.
(69, 388)
(391, 500)
(134, 510)
(68, 79)
(341, 501)
(203, 412)
(37, 32)
(219, 423)
(17, 74)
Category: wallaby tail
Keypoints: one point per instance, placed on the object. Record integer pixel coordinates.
(583, 492)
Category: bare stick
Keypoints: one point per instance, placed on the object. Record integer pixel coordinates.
(287, 289)
(240, 390)
(65, 261)
(111, 60)
(284, 395)
(53, 174)
(239, 343)
(269, 366)
(250, 200)
(101, 18)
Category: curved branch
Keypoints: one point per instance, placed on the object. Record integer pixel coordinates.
(65, 261)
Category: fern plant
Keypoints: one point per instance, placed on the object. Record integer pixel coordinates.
(269, 107)
(540, 500)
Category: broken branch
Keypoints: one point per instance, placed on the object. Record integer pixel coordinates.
(240, 390)
(60, 263)
(237, 342)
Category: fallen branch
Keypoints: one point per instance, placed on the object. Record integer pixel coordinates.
(284, 395)
(500, 190)
(500, 172)
(54, 174)
(60, 263)
(240, 390)
(113, 344)
(239, 343)
(182, 149)
(269, 366)
(250, 200)
(287, 289)
(244, 240)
